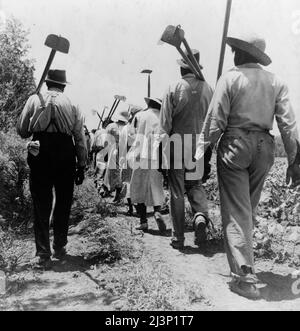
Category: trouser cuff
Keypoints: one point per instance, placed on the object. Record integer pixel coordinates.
(249, 279)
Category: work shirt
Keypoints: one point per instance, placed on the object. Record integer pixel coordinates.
(36, 118)
(248, 97)
(182, 116)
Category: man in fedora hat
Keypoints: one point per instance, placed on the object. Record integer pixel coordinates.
(57, 157)
(242, 112)
(146, 187)
(184, 109)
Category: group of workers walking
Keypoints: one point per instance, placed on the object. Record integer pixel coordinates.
(172, 138)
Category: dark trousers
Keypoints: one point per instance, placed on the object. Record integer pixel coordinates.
(54, 168)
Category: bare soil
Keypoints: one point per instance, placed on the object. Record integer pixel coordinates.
(76, 285)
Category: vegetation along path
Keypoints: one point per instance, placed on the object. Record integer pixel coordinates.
(110, 266)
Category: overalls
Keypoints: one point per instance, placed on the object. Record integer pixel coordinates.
(54, 167)
(186, 125)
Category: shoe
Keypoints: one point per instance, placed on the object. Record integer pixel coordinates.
(160, 223)
(177, 244)
(200, 226)
(60, 254)
(246, 290)
(129, 213)
(118, 198)
(143, 227)
(42, 263)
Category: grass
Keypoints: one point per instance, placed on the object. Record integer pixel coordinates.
(147, 286)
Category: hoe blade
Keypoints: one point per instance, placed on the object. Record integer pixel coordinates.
(120, 98)
(173, 36)
(58, 43)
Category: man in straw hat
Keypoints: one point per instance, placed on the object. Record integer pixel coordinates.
(146, 187)
(57, 157)
(245, 103)
(184, 109)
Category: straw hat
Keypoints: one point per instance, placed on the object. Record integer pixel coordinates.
(156, 101)
(183, 63)
(135, 109)
(122, 116)
(253, 45)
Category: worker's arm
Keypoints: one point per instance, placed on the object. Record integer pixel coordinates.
(24, 119)
(174, 100)
(79, 138)
(286, 121)
(217, 118)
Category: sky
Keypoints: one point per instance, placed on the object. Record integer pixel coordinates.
(112, 41)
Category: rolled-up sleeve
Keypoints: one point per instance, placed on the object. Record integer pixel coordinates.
(79, 138)
(286, 121)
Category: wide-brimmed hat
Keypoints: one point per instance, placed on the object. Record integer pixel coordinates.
(122, 116)
(183, 63)
(156, 101)
(253, 45)
(57, 76)
(135, 109)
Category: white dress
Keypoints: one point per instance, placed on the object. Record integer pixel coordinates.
(146, 183)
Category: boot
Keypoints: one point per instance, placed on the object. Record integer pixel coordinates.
(200, 226)
(160, 222)
(130, 208)
(117, 198)
(143, 227)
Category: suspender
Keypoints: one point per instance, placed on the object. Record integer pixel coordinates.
(43, 107)
(53, 118)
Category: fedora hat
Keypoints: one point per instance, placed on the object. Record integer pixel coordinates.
(156, 101)
(183, 63)
(253, 45)
(57, 76)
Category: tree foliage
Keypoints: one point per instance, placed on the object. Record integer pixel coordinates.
(16, 73)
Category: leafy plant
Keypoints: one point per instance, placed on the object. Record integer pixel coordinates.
(16, 73)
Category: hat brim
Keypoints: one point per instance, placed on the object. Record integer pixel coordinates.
(121, 119)
(157, 101)
(57, 82)
(184, 65)
(261, 57)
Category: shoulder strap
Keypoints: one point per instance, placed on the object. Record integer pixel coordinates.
(53, 115)
(39, 111)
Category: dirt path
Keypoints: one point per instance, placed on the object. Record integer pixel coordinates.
(70, 285)
(75, 285)
(210, 269)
